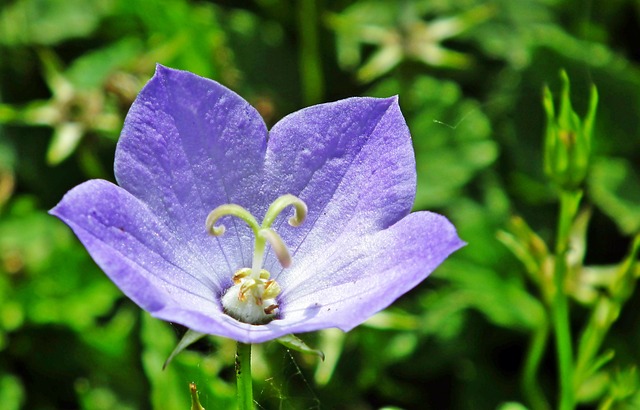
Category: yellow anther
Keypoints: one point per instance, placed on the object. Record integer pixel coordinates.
(252, 297)
(241, 274)
(264, 274)
(271, 289)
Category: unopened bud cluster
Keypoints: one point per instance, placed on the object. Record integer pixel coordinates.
(567, 144)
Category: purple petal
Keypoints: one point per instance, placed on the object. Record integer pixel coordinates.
(136, 250)
(189, 145)
(351, 282)
(351, 161)
(347, 286)
(142, 257)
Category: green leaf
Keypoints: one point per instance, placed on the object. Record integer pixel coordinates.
(526, 245)
(50, 22)
(615, 188)
(65, 140)
(294, 343)
(331, 341)
(625, 384)
(11, 392)
(190, 337)
(169, 386)
(91, 70)
(512, 406)
(57, 275)
(600, 361)
(505, 301)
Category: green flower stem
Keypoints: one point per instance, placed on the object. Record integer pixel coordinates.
(569, 202)
(243, 376)
(530, 385)
(564, 350)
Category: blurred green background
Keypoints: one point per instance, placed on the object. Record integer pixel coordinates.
(470, 76)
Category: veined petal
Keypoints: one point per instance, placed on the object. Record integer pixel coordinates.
(188, 145)
(350, 161)
(350, 283)
(136, 250)
(148, 263)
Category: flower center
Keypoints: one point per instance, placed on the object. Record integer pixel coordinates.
(252, 297)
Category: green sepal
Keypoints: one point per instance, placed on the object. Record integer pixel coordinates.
(190, 337)
(567, 146)
(294, 343)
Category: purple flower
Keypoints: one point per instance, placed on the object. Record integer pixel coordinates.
(194, 155)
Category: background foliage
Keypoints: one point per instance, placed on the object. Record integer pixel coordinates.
(470, 75)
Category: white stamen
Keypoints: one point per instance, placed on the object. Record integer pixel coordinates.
(247, 305)
(252, 297)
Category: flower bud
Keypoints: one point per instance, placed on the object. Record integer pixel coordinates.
(567, 144)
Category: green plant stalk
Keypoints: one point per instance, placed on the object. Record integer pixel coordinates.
(569, 202)
(243, 377)
(309, 52)
(564, 350)
(604, 315)
(530, 385)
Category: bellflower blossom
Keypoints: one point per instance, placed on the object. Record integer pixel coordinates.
(233, 230)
